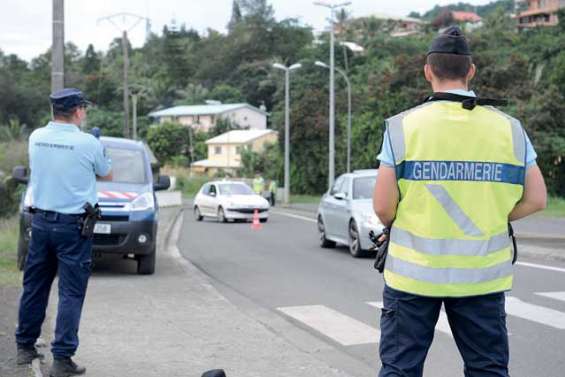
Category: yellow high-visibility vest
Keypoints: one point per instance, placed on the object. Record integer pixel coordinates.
(258, 185)
(460, 173)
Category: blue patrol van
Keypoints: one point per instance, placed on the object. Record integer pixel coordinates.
(130, 212)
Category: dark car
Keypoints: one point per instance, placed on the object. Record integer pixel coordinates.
(130, 211)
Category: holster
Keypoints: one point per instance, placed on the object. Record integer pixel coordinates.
(91, 216)
(514, 244)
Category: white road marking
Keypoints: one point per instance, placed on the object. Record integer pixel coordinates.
(442, 324)
(554, 295)
(36, 368)
(282, 213)
(535, 313)
(541, 266)
(335, 325)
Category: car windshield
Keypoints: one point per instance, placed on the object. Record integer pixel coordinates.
(235, 189)
(128, 165)
(363, 187)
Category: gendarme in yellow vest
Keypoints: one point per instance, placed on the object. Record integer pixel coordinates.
(460, 173)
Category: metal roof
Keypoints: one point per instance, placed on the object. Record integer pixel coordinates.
(239, 136)
(202, 110)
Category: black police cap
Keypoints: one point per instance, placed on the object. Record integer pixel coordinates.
(67, 99)
(451, 41)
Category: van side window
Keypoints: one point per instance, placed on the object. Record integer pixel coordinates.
(212, 190)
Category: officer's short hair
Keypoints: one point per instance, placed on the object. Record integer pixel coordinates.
(449, 66)
(64, 114)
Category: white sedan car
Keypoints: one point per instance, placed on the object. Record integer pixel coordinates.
(229, 200)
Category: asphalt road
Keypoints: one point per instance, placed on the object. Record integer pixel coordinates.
(282, 273)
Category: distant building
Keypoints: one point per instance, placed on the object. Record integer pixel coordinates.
(204, 117)
(540, 13)
(401, 26)
(469, 20)
(224, 151)
(465, 17)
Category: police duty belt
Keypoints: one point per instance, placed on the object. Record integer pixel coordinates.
(468, 102)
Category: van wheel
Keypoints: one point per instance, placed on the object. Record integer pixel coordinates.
(146, 263)
(324, 242)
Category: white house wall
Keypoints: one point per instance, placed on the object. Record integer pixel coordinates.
(247, 118)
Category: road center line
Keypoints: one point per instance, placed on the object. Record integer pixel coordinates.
(287, 214)
(541, 266)
(341, 328)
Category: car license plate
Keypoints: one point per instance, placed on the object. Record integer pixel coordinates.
(103, 228)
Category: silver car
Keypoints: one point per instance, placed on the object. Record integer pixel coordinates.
(346, 214)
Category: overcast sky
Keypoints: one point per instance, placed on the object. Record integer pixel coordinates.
(25, 25)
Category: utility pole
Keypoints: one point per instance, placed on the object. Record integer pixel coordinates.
(348, 82)
(126, 83)
(287, 71)
(124, 29)
(134, 105)
(58, 47)
(332, 8)
(137, 91)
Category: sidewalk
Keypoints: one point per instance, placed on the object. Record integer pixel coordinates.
(175, 323)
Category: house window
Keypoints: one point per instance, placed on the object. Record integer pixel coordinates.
(238, 150)
(218, 150)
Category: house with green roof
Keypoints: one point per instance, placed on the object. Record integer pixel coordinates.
(204, 117)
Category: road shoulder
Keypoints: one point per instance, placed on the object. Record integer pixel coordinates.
(175, 323)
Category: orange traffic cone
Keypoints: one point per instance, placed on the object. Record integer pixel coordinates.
(256, 225)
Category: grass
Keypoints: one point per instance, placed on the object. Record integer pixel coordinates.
(9, 273)
(555, 207)
(305, 199)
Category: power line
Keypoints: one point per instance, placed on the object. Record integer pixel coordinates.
(129, 22)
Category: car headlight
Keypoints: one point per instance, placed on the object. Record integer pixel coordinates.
(143, 202)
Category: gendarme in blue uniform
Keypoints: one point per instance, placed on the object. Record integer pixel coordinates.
(64, 164)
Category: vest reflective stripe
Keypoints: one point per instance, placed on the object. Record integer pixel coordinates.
(406, 284)
(448, 275)
(449, 246)
(454, 211)
(396, 133)
(518, 136)
(460, 173)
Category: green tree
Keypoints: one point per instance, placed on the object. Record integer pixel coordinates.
(168, 140)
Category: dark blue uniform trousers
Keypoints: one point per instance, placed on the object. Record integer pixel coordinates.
(56, 247)
(478, 325)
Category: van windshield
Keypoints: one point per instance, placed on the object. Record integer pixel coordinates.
(128, 166)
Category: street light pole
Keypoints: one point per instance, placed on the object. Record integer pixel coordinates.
(58, 48)
(332, 8)
(324, 65)
(287, 71)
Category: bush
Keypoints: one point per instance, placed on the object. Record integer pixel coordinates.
(168, 140)
(11, 155)
(9, 274)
